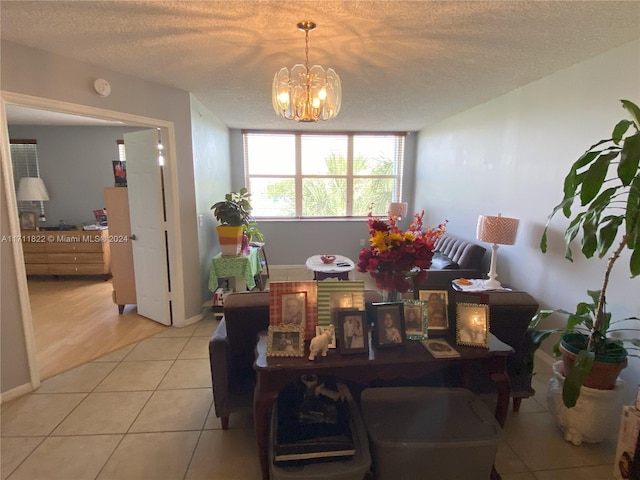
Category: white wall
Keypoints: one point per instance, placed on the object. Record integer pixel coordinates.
(75, 165)
(212, 176)
(510, 155)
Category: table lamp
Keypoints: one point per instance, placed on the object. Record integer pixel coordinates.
(398, 210)
(32, 189)
(498, 231)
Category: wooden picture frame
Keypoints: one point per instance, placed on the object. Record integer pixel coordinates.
(415, 319)
(320, 330)
(28, 221)
(437, 308)
(353, 332)
(388, 324)
(472, 324)
(285, 341)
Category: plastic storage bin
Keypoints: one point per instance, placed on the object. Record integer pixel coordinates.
(351, 468)
(439, 433)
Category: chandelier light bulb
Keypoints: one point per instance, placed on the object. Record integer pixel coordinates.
(306, 94)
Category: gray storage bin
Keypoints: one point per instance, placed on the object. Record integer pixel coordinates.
(351, 468)
(439, 433)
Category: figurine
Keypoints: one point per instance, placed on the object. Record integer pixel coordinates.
(320, 343)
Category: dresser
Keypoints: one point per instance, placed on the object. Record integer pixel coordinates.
(71, 252)
(116, 200)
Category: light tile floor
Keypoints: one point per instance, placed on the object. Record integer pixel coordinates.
(146, 413)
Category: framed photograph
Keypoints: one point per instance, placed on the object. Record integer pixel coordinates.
(472, 324)
(415, 319)
(353, 332)
(320, 329)
(285, 341)
(284, 300)
(437, 308)
(294, 307)
(334, 296)
(120, 173)
(388, 321)
(27, 221)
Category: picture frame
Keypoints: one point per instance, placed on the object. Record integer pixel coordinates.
(334, 296)
(415, 319)
(294, 309)
(388, 324)
(319, 331)
(472, 324)
(28, 221)
(285, 341)
(437, 308)
(119, 173)
(278, 291)
(353, 332)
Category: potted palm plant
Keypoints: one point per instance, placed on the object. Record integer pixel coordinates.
(236, 222)
(605, 182)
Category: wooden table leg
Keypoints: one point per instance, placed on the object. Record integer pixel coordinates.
(262, 404)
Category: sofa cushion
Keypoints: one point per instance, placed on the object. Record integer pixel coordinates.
(466, 254)
(441, 262)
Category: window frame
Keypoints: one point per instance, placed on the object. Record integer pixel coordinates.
(25, 164)
(349, 177)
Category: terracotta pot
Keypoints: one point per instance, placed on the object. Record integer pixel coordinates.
(230, 239)
(605, 371)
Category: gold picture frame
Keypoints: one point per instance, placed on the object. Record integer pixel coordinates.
(285, 341)
(472, 324)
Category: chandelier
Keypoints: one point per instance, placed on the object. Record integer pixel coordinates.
(306, 94)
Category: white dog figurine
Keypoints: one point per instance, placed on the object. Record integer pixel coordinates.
(320, 343)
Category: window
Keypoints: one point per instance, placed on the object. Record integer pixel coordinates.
(321, 175)
(24, 159)
(122, 154)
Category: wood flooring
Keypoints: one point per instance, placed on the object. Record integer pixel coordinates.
(75, 321)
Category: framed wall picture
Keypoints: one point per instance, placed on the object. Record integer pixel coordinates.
(388, 321)
(120, 173)
(353, 332)
(472, 324)
(415, 319)
(285, 341)
(27, 221)
(285, 300)
(437, 308)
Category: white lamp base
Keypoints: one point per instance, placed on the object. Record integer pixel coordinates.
(492, 282)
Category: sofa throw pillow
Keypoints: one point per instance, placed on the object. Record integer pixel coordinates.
(441, 262)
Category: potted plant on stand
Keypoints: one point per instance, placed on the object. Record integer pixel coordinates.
(605, 182)
(237, 226)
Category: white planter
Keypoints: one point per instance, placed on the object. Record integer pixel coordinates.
(596, 415)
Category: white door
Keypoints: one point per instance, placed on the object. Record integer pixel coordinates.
(148, 228)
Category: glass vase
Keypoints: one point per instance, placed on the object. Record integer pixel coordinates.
(391, 296)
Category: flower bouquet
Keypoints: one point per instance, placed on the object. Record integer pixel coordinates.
(397, 259)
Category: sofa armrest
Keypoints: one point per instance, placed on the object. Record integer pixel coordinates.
(220, 365)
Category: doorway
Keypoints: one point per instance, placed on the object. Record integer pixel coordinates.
(121, 118)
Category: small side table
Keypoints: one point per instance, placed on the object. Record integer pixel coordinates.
(323, 270)
(245, 267)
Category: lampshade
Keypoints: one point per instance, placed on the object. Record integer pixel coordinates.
(32, 189)
(500, 230)
(398, 209)
(306, 94)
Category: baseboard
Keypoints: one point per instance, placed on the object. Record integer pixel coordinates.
(194, 319)
(15, 392)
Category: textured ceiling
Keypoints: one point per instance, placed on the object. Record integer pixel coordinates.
(403, 64)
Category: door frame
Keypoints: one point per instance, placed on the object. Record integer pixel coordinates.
(174, 238)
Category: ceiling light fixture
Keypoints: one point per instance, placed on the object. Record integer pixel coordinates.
(306, 94)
